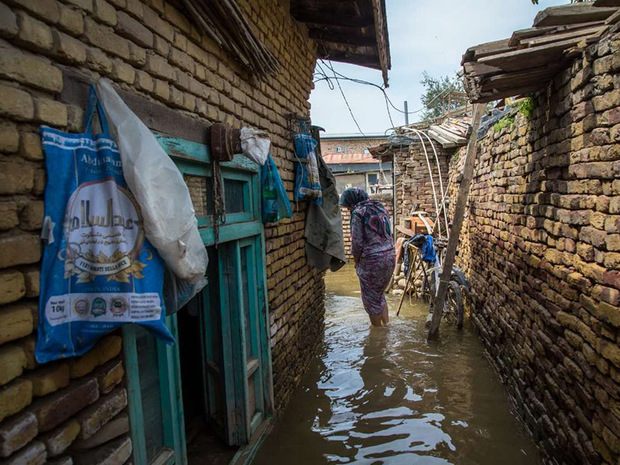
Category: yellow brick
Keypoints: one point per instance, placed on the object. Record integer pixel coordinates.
(12, 361)
(69, 49)
(12, 287)
(33, 32)
(60, 438)
(15, 178)
(144, 81)
(8, 22)
(47, 10)
(32, 281)
(30, 146)
(105, 38)
(15, 103)
(9, 138)
(71, 20)
(28, 69)
(50, 112)
(98, 61)
(15, 321)
(8, 215)
(31, 216)
(137, 55)
(86, 5)
(39, 182)
(162, 89)
(14, 397)
(136, 8)
(28, 344)
(108, 348)
(105, 12)
(49, 378)
(123, 72)
(85, 364)
(176, 17)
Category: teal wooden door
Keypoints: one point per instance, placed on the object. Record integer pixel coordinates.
(236, 359)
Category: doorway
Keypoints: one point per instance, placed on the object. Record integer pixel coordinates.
(217, 389)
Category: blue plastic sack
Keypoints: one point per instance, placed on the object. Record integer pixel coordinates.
(307, 180)
(275, 203)
(99, 272)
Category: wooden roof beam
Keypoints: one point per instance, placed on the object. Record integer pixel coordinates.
(326, 18)
(337, 37)
(571, 14)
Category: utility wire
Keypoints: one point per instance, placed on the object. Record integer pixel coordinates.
(344, 97)
(339, 76)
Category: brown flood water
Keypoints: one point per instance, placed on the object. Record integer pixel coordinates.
(385, 396)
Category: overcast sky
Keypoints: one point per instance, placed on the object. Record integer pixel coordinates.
(425, 35)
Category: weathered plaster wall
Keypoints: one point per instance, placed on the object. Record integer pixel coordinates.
(541, 245)
(150, 49)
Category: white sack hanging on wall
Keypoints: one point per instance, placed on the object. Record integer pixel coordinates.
(169, 219)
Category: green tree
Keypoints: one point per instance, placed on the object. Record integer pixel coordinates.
(436, 99)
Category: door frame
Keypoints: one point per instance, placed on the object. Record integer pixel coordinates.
(195, 159)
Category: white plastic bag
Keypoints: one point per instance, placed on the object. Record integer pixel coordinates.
(255, 144)
(169, 219)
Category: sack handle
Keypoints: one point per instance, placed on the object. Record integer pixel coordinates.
(89, 117)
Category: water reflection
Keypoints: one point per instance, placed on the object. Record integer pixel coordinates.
(383, 395)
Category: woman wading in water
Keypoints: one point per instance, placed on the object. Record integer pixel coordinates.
(372, 248)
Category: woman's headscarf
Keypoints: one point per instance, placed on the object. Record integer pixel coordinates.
(353, 196)
(372, 212)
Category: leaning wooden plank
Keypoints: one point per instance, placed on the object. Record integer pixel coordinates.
(448, 135)
(613, 19)
(477, 51)
(517, 36)
(571, 14)
(473, 68)
(533, 57)
(486, 97)
(521, 78)
(606, 3)
(443, 141)
(549, 38)
(457, 224)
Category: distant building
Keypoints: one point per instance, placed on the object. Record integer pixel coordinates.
(349, 158)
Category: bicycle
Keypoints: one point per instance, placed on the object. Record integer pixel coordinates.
(454, 309)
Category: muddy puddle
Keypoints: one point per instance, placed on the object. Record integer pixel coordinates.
(374, 396)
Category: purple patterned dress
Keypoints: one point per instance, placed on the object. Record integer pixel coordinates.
(372, 247)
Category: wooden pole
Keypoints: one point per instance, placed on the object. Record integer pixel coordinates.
(457, 224)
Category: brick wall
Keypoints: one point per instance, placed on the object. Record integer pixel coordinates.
(541, 245)
(349, 145)
(149, 49)
(413, 182)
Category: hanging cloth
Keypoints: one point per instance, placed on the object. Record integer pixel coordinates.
(324, 238)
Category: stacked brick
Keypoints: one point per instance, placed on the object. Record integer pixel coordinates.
(149, 48)
(351, 146)
(413, 183)
(541, 245)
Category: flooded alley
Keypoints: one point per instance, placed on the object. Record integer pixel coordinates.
(375, 395)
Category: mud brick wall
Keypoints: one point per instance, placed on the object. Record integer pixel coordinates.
(150, 49)
(349, 145)
(541, 245)
(413, 182)
(346, 220)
